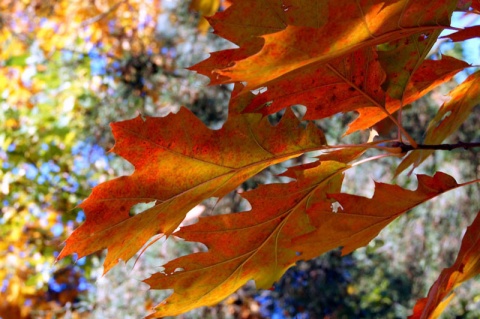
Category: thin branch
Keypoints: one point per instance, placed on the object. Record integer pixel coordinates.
(373, 144)
(401, 130)
(444, 147)
(373, 158)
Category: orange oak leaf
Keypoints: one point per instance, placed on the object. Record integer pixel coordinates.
(248, 245)
(466, 266)
(449, 118)
(353, 82)
(401, 58)
(465, 34)
(360, 219)
(178, 163)
(430, 74)
(344, 84)
(311, 32)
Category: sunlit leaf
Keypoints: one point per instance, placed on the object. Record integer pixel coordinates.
(344, 84)
(178, 163)
(429, 75)
(465, 34)
(360, 219)
(295, 34)
(248, 245)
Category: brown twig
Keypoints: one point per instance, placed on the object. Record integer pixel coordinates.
(444, 147)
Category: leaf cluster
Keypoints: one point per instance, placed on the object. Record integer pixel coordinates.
(332, 57)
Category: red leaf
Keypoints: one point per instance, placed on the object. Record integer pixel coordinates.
(344, 84)
(179, 162)
(465, 34)
(360, 219)
(294, 35)
(430, 74)
(248, 245)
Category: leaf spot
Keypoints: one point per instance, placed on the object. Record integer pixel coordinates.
(335, 206)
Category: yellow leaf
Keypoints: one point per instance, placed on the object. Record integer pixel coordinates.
(206, 8)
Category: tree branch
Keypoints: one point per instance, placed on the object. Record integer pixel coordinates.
(445, 147)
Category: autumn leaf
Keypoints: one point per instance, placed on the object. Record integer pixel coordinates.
(311, 32)
(466, 266)
(448, 119)
(401, 58)
(326, 79)
(247, 245)
(360, 219)
(476, 5)
(353, 82)
(465, 34)
(344, 84)
(179, 162)
(429, 75)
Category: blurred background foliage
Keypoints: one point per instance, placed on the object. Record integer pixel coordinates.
(69, 68)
